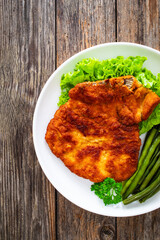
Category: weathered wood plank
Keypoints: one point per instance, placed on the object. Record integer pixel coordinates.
(138, 21)
(76, 223)
(27, 58)
(82, 24)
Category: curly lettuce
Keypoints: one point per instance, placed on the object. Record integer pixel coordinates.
(91, 69)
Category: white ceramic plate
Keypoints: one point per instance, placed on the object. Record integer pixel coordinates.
(72, 187)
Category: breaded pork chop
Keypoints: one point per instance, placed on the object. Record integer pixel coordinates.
(96, 133)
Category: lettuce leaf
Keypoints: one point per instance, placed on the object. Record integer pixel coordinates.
(91, 69)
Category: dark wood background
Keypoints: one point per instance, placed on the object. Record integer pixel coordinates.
(36, 37)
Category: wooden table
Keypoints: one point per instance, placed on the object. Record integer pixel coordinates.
(36, 37)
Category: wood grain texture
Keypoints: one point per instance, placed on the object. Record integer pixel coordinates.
(27, 56)
(75, 223)
(82, 24)
(138, 21)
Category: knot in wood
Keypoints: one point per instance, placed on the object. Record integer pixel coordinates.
(107, 233)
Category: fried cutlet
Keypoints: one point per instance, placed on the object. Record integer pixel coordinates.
(96, 133)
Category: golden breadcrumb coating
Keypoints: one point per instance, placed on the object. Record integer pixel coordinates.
(96, 133)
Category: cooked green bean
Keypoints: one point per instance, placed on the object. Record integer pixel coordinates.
(151, 174)
(150, 189)
(141, 171)
(148, 141)
(156, 152)
(123, 183)
(153, 161)
(155, 176)
(150, 195)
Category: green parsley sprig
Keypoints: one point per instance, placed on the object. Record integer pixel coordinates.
(108, 190)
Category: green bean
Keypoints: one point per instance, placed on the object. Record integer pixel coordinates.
(150, 195)
(156, 152)
(153, 161)
(123, 183)
(141, 171)
(155, 176)
(150, 189)
(148, 142)
(151, 174)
